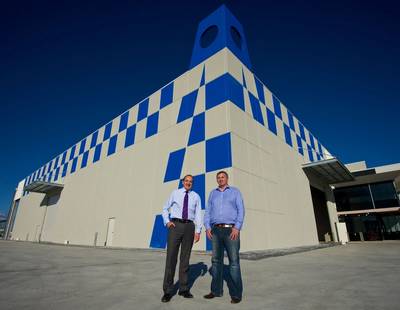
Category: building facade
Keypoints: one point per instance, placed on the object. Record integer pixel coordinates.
(108, 189)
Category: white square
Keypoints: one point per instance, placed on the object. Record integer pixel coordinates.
(216, 66)
(234, 66)
(268, 98)
(140, 133)
(133, 115)
(217, 121)
(154, 102)
(180, 86)
(193, 78)
(250, 82)
(194, 162)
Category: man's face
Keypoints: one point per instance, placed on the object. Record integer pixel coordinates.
(187, 182)
(222, 180)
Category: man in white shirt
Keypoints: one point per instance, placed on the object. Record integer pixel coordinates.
(182, 216)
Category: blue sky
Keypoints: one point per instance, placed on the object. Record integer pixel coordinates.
(67, 67)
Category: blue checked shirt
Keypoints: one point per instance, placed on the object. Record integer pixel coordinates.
(224, 207)
(174, 206)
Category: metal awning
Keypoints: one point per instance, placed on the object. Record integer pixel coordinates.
(379, 210)
(330, 170)
(43, 187)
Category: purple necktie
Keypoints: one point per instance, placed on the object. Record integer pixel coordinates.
(185, 207)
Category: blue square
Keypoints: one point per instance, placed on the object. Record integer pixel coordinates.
(64, 156)
(143, 109)
(198, 130)
(218, 152)
(97, 153)
(222, 89)
(130, 135)
(107, 131)
(152, 125)
(187, 106)
(271, 121)
(49, 166)
(72, 154)
(310, 153)
(199, 186)
(123, 121)
(277, 107)
(299, 145)
(56, 174)
(260, 90)
(82, 147)
(94, 139)
(256, 109)
(174, 166)
(159, 234)
(235, 92)
(112, 145)
(74, 163)
(302, 133)
(56, 162)
(167, 95)
(288, 136)
(64, 171)
(320, 149)
(216, 92)
(311, 140)
(85, 157)
(291, 120)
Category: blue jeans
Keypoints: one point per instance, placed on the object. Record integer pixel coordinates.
(221, 242)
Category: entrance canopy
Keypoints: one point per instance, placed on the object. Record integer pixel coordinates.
(43, 187)
(332, 171)
(380, 210)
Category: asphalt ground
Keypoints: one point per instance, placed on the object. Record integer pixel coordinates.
(42, 276)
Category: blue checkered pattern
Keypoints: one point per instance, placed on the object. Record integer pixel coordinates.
(222, 89)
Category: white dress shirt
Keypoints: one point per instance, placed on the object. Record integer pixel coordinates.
(174, 206)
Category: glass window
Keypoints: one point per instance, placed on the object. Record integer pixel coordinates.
(353, 198)
(384, 195)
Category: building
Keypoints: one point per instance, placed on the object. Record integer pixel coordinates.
(217, 115)
(370, 204)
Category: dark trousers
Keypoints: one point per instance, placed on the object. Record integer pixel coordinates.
(182, 235)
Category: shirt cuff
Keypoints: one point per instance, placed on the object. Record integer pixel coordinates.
(238, 226)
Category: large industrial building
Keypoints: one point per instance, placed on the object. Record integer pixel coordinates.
(217, 115)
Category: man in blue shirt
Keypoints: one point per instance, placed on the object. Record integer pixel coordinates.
(182, 216)
(223, 220)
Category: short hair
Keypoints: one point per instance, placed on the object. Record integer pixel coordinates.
(188, 175)
(224, 172)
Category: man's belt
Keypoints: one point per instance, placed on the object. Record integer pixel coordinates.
(180, 220)
(224, 225)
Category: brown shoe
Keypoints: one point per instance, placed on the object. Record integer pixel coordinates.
(166, 298)
(210, 296)
(235, 300)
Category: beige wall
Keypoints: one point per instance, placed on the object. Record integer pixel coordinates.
(129, 187)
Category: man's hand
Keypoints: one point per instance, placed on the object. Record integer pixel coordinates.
(196, 237)
(234, 234)
(170, 224)
(209, 234)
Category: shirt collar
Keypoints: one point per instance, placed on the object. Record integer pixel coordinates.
(227, 187)
(184, 190)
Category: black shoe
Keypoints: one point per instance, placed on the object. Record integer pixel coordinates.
(235, 300)
(166, 298)
(186, 294)
(210, 296)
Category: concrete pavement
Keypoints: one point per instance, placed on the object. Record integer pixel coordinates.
(42, 276)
